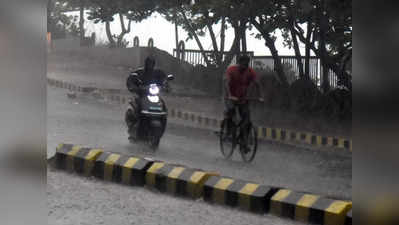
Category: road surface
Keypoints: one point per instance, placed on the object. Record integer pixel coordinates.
(77, 200)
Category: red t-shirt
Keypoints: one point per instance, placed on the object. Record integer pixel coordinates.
(239, 82)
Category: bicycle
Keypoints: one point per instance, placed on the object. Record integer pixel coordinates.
(236, 138)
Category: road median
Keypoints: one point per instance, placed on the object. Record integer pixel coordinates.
(184, 181)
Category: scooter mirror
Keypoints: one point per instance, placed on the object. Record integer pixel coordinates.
(171, 77)
(135, 78)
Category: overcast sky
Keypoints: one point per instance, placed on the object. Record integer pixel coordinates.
(163, 33)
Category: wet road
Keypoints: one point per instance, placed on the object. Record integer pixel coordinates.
(94, 124)
(87, 201)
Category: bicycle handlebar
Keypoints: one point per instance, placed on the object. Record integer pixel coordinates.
(244, 99)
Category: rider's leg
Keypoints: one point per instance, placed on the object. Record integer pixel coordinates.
(134, 117)
(228, 114)
(245, 114)
(164, 121)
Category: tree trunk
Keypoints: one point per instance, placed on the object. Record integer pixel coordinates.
(214, 43)
(177, 37)
(50, 10)
(124, 30)
(322, 34)
(237, 33)
(192, 31)
(243, 37)
(307, 50)
(277, 60)
(269, 42)
(222, 41)
(345, 80)
(81, 22)
(111, 40)
(329, 62)
(234, 48)
(297, 52)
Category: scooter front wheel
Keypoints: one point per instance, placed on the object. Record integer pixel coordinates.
(154, 143)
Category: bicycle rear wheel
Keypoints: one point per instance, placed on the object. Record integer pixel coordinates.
(252, 145)
(226, 141)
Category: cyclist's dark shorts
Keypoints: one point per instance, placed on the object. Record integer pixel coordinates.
(229, 109)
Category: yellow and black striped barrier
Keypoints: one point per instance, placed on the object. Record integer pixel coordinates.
(309, 208)
(77, 159)
(177, 180)
(248, 196)
(122, 169)
(282, 135)
(194, 183)
(195, 118)
(268, 133)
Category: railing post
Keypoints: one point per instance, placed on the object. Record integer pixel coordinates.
(136, 42)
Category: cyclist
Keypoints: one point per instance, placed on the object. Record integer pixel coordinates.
(237, 82)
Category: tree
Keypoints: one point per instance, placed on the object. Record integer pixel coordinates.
(328, 35)
(133, 10)
(267, 17)
(328, 31)
(200, 16)
(73, 5)
(58, 23)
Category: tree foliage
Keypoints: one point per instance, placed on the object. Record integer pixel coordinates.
(133, 10)
(323, 26)
(58, 23)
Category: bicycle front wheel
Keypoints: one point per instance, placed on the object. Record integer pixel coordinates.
(249, 153)
(226, 141)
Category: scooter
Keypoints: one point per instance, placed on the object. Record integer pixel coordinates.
(152, 118)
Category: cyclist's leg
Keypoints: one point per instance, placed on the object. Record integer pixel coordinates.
(228, 115)
(245, 126)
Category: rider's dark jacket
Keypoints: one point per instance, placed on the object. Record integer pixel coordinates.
(156, 76)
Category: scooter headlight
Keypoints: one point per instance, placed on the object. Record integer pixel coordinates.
(154, 89)
(153, 99)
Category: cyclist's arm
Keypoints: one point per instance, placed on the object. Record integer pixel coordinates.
(257, 85)
(227, 85)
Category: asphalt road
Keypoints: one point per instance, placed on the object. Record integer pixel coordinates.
(77, 200)
(94, 124)
(74, 200)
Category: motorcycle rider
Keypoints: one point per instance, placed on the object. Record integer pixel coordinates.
(148, 75)
(237, 82)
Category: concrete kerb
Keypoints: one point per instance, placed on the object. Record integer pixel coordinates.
(197, 120)
(238, 193)
(123, 169)
(196, 183)
(75, 158)
(267, 133)
(177, 179)
(309, 208)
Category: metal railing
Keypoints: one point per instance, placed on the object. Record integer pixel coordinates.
(315, 68)
(195, 57)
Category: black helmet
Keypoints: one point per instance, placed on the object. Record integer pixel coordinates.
(244, 59)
